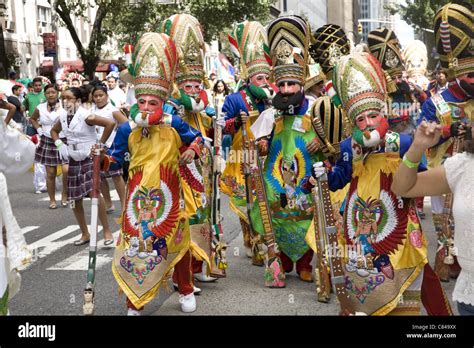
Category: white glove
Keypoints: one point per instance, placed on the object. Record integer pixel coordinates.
(62, 148)
(40, 131)
(207, 142)
(318, 169)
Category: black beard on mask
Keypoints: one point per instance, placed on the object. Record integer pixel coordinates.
(403, 88)
(283, 102)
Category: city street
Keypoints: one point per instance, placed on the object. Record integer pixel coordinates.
(54, 282)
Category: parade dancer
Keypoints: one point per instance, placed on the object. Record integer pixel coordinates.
(249, 43)
(154, 236)
(195, 109)
(286, 136)
(453, 27)
(385, 248)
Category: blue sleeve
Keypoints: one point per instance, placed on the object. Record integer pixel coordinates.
(229, 108)
(119, 147)
(341, 173)
(233, 104)
(405, 143)
(428, 112)
(187, 133)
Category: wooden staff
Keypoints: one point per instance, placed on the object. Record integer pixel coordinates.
(331, 231)
(89, 293)
(218, 257)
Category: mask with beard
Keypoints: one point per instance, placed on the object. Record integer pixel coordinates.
(283, 102)
(263, 92)
(193, 103)
(402, 88)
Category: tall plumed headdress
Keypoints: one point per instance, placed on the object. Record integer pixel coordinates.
(186, 33)
(248, 42)
(416, 58)
(289, 38)
(360, 83)
(454, 31)
(329, 43)
(384, 45)
(153, 65)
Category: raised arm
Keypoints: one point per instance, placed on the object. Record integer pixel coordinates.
(407, 182)
(108, 124)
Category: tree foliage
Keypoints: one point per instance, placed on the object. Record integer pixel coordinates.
(419, 14)
(125, 20)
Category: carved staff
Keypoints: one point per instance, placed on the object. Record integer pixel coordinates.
(89, 294)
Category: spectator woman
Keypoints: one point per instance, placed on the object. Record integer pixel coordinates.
(43, 118)
(219, 93)
(79, 126)
(454, 176)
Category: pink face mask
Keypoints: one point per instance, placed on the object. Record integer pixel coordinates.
(149, 103)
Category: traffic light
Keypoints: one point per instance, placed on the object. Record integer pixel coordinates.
(359, 28)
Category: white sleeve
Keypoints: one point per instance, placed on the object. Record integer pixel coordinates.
(454, 167)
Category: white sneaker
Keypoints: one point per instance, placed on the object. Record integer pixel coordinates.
(133, 312)
(202, 277)
(188, 303)
(197, 291)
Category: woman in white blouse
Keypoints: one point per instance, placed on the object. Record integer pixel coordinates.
(79, 126)
(43, 118)
(456, 175)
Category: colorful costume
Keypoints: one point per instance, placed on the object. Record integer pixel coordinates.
(155, 231)
(195, 110)
(382, 232)
(249, 42)
(287, 166)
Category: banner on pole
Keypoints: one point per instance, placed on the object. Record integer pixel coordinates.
(49, 44)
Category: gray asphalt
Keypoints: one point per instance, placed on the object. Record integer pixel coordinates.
(59, 292)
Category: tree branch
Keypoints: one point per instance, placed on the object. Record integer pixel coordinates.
(64, 12)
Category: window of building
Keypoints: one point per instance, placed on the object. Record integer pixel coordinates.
(44, 19)
(285, 6)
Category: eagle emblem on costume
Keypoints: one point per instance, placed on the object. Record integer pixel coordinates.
(285, 175)
(376, 223)
(163, 198)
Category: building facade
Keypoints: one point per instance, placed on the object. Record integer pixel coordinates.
(344, 13)
(315, 12)
(26, 21)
